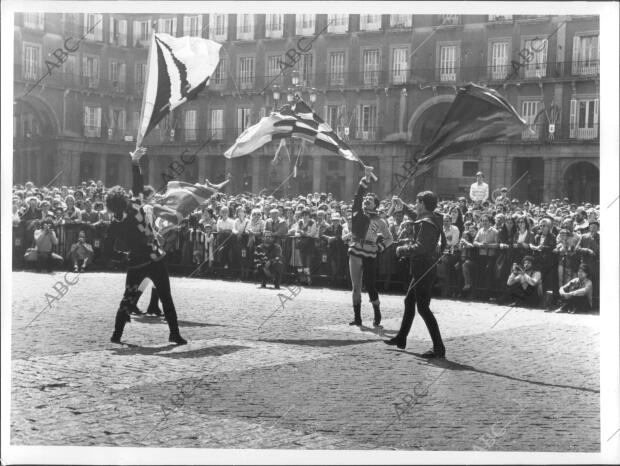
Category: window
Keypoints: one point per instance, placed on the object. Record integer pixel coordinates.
(90, 70)
(273, 26)
(535, 51)
(140, 76)
(118, 32)
(529, 110)
(585, 55)
(336, 68)
(370, 22)
(584, 118)
(367, 122)
(244, 118)
(337, 23)
(92, 122)
(93, 26)
(305, 69)
(32, 62)
(370, 63)
(245, 27)
(189, 124)
(500, 63)
(167, 26)
(246, 72)
(470, 168)
(304, 25)
(192, 25)
(335, 117)
(117, 123)
(400, 21)
(33, 20)
(218, 27)
(117, 75)
(217, 123)
(219, 75)
(141, 32)
(70, 69)
(447, 63)
(450, 19)
(274, 74)
(500, 18)
(399, 65)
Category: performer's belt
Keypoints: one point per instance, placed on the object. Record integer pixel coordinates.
(364, 242)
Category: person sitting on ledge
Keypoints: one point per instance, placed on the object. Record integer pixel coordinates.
(576, 295)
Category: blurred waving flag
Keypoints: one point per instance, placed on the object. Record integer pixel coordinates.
(477, 115)
(178, 69)
(181, 199)
(298, 121)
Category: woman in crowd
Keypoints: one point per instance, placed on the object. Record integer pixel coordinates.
(240, 230)
(468, 255)
(523, 239)
(543, 246)
(446, 269)
(506, 238)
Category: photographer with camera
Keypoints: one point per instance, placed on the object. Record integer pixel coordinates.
(525, 283)
(81, 251)
(45, 239)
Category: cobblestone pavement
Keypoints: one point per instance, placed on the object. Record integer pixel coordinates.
(303, 378)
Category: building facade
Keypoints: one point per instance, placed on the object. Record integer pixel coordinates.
(383, 82)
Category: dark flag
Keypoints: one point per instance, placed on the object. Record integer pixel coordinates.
(477, 115)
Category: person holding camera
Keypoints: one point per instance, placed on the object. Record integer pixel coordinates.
(45, 239)
(422, 250)
(81, 252)
(525, 283)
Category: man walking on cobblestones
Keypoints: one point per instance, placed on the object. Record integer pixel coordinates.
(145, 255)
(426, 234)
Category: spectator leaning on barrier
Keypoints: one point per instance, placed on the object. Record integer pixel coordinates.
(479, 191)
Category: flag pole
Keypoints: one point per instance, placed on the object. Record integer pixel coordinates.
(139, 136)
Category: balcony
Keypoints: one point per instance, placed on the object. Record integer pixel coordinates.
(370, 134)
(534, 132)
(92, 131)
(585, 134)
(585, 68)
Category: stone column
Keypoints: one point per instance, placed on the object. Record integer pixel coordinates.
(103, 159)
(349, 179)
(228, 169)
(385, 173)
(317, 174)
(74, 176)
(256, 181)
(551, 181)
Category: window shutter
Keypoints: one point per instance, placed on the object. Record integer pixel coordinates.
(595, 121)
(98, 120)
(86, 24)
(358, 121)
(122, 30)
(99, 27)
(576, 40)
(86, 112)
(112, 32)
(186, 25)
(122, 74)
(457, 61)
(136, 32)
(573, 118)
(174, 27)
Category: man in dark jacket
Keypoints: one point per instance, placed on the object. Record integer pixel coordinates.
(131, 224)
(268, 259)
(422, 250)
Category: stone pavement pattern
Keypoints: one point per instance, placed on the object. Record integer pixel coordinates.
(305, 379)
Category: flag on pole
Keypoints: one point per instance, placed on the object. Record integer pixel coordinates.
(477, 115)
(178, 69)
(256, 136)
(280, 147)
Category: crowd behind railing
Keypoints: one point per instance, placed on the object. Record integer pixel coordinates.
(503, 250)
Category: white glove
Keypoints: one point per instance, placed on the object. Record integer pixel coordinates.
(137, 154)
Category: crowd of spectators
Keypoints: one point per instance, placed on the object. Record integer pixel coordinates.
(496, 249)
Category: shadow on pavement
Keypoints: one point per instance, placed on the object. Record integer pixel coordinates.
(322, 343)
(378, 331)
(161, 351)
(160, 320)
(455, 366)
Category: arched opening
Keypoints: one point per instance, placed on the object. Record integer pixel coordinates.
(581, 183)
(429, 122)
(33, 129)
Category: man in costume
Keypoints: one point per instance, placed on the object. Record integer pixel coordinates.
(370, 236)
(422, 250)
(145, 256)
